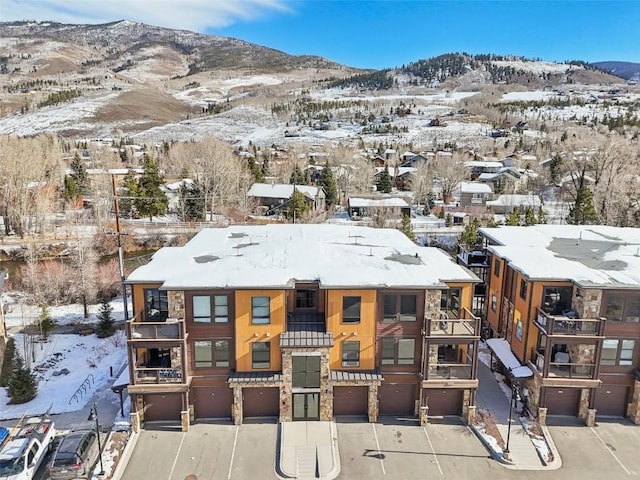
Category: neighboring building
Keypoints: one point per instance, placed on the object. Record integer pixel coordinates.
(474, 194)
(275, 196)
(478, 167)
(505, 204)
(369, 207)
(301, 322)
(567, 299)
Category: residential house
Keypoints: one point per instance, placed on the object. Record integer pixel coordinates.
(478, 167)
(474, 194)
(401, 177)
(567, 300)
(379, 205)
(507, 179)
(275, 196)
(505, 204)
(301, 322)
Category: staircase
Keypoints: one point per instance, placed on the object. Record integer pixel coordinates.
(307, 462)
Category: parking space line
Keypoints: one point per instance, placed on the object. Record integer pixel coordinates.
(175, 460)
(375, 434)
(233, 452)
(432, 450)
(610, 451)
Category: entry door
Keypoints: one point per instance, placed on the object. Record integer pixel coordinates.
(306, 406)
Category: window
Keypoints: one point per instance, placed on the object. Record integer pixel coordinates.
(556, 300)
(260, 310)
(351, 309)
(350, 353)
(202, 307)
(496, 267)
(399, 308)
(208, 353)
(398, 351)
(621, 306)
(221, 309)
(156, 305)
(494, 302)
(450, 302)
(260, 355)
(618, 352)
(306, 372)
(306, 299)
(523, 289)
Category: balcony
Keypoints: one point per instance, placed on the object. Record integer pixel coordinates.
(306, 322)
(171, 329)
(450, 371)
(450, 325)
(157, 376)
(566, 325)
(564, 368)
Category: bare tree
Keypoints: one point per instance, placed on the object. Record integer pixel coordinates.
(448, 173)
(85, 263)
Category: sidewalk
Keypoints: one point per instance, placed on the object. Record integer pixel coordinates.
(308, 450)
(523, 453)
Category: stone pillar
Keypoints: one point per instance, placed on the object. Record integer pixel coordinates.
(583, 406)
(633, 412)
(236, 408)
(542, 415)
(176, 304)
(184, 420)
(424, 416)
(135, 422)
(326, 388)
(534, 389)
(286, 397)
(590, 421)
(471, 415)
(466, 398)
(372, 404)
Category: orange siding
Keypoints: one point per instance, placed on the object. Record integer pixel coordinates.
(246, 333)
(364, 332)
(137, 292)
(521, 306)
(495, 288)
(466, 294)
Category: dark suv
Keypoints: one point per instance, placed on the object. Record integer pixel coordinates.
(75, 456)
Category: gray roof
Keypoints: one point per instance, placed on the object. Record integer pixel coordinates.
(356, 376)
(255, 377)
(306, 339)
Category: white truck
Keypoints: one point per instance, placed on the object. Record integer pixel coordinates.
(25, 447)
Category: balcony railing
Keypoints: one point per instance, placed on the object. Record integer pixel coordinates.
(564, 369)
(172, 329)
(158, 375)
(306, 322)
(566, 325)
(452, 324)
(454, 371)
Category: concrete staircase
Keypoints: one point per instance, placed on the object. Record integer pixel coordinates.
(307, 459)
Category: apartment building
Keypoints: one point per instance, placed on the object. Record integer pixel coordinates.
(301, 322)
(567, 299)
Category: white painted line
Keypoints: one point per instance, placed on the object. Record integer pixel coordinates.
(175, 460)
(610, 451)
(433, 450)
(375, 434)
(233, 452)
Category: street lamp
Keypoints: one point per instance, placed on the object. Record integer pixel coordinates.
(514, 398)
(93, 415)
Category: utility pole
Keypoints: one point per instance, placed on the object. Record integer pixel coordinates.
(119, 243)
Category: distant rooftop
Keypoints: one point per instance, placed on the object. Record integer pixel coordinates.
(278, 256)
(589, 255)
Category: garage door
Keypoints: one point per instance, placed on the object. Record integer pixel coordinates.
(165, 407)
(444, 402)
(261, 402)
(212, 402)
(397, 399)
(350, 400)
(562, 401)
(611, 400)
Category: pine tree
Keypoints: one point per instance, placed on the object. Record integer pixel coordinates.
(8, 362)
(79, 174)
(448, 220)
(297, 205)
(258, 174)
(192, 205)
(542, 217)
(297, 177)
(23, 386)
(71, 191)
(514, 217)
(106, 324)
(328, 182)
(529, 216)
(407, 228)
(384, 182)
(130, 185)
(470, 237)
(46, 322)
(583, 212)
(150, 200)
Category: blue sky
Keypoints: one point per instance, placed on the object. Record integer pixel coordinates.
(380, 33)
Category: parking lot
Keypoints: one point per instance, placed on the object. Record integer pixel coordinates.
(392, 448)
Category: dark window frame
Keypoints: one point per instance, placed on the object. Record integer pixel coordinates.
(306, 299)
(155, 299)
(260, 364)
(347, 310)
(447, 298)
(563, 294)
(260, 318)
(217, 356)
(628, 309)
(496, 267)
(351, 356)
(305, 374)
(619, 360)
(398, 307)
(392, 345)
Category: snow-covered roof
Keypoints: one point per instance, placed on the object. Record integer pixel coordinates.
(474, 187)
(515, 200)
(588, 255)
(280, 190)
(278, 256)
(482, 164)
(502, 349)
(377, 202)
(176, 185)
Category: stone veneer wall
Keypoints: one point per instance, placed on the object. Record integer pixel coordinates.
(176, 304)
(432, 311)
(633, 412)
(286, 388)
(534, 389)
(587, 305)
(582, 354)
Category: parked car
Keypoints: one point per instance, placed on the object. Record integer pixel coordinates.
(75, 456)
